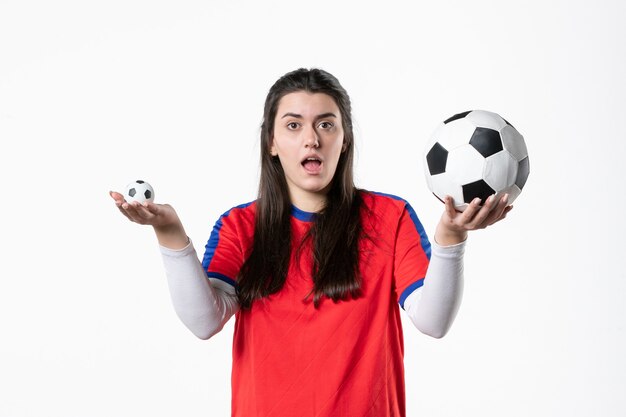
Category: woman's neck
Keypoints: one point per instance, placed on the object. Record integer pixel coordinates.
(309, 202)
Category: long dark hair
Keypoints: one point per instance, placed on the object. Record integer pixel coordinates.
(337, 227)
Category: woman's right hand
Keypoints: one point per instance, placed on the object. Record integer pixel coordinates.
(162, 217)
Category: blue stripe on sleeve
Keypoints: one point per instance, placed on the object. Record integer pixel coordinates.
(213, 242)
(409, 290)
(221, 277)
(424, 242)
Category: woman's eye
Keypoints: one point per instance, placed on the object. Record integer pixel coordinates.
(292, 125)
(326, 125)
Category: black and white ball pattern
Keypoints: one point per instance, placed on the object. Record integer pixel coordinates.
(476, 154)
(139, 191)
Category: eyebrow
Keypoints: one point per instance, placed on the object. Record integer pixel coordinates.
(299, 116)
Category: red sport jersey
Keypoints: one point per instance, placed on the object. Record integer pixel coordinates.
(342, 359)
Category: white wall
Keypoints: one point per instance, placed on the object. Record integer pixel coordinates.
(96, 94)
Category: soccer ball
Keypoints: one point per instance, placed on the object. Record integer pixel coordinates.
(139, 191)
(476, 154)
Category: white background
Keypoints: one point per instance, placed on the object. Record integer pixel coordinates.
(96, 94)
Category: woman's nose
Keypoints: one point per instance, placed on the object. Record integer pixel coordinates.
(312, 139)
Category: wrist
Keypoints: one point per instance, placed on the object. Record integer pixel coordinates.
(171, 236)
(445, 236)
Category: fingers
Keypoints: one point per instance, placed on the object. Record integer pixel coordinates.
(476, 216)
(134, 211)
(498, 212)
(151, 207)
(450, 210)
(120, 202)
(506, 210)
(486, 213)
(496, 209)
(116, 196)
(471, 212)
(459, 220)
(138, 212)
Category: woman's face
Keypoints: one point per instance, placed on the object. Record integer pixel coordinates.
(308, 140)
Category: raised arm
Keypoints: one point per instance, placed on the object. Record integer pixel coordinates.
(202, 305)
(433, 307)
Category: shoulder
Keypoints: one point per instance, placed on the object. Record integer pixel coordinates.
(239, 216)
(232, 234)
(241, 210)
(388, 208)
(393, 214)
(384, 203)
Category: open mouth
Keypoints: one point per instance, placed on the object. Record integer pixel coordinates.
(312, 165)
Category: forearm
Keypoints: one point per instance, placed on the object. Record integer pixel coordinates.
(202, 307)
(433, 307)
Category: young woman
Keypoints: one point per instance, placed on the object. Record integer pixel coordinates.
(314, 269)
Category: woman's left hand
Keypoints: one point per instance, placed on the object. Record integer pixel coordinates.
(454, 225)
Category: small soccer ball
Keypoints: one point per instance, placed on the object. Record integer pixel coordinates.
(139, 191)
(476, 154)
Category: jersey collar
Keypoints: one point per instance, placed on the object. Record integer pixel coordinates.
(302, 215)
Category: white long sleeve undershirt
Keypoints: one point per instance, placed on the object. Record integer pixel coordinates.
(204, 304)
(433, 307)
